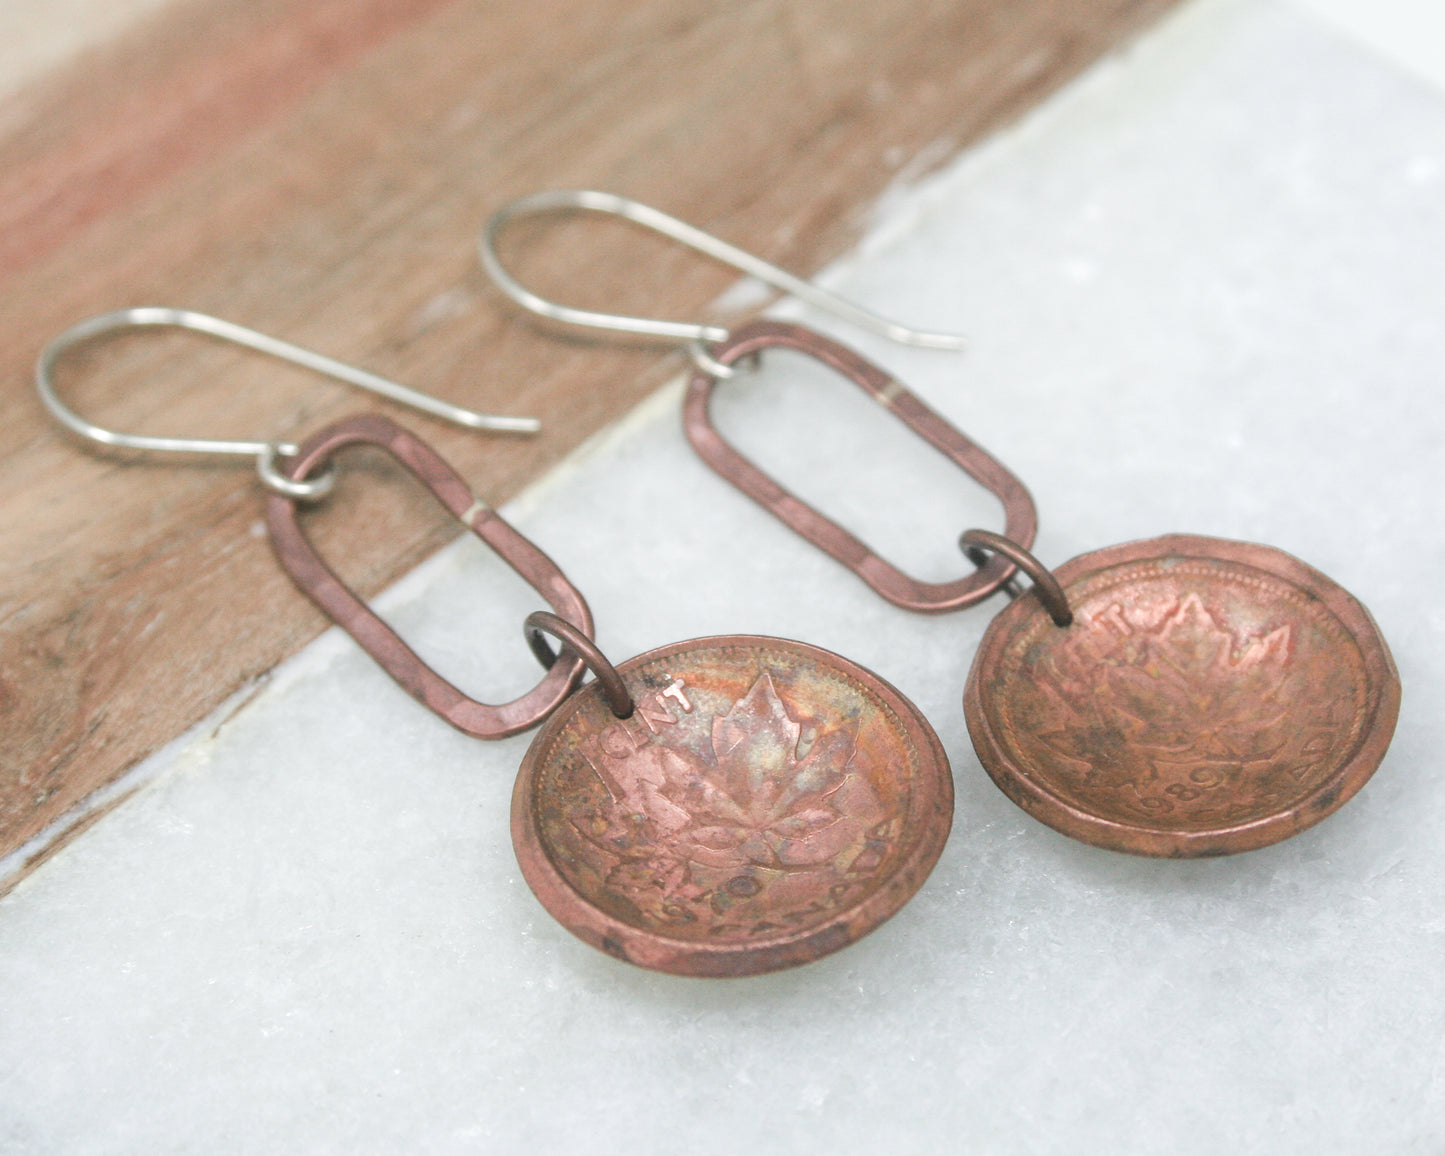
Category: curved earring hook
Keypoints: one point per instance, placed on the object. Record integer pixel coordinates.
(265, 452)
(650, 218)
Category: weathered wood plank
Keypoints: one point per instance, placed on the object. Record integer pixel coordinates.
(318, 169)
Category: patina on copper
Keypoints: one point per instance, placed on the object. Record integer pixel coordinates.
(319, 583)
(1209, 697)
(978, 544)
(1020, 519)
(539, 624)
(767, 803)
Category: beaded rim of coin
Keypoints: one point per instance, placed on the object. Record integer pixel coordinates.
(873, 782)
(1275, 649)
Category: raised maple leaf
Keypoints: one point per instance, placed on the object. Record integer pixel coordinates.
(685, 831)
(1179, 691)
(761, 804)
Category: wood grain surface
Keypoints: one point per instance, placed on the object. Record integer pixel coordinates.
(318, 169)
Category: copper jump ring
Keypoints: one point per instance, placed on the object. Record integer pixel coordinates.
(1051, 594)
(614, 690)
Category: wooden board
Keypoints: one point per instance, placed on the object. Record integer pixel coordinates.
(318, 169)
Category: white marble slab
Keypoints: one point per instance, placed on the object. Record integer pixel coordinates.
(1205, 290)
(1409, 33)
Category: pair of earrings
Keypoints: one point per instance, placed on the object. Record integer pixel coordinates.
(1183, 696)
(734, 805)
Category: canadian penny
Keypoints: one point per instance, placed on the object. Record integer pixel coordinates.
(1209, 697)
(767, 802)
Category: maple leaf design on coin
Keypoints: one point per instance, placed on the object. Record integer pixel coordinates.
(1179, 698)
(765, 803)
(776, 813)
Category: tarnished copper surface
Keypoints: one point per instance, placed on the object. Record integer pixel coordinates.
(1210, 697)
(978, 544)
(319, 583)
(767, 803)
(609, 683)
(1020, 518)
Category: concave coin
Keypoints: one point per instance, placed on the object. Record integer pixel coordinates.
(767, 803)
(1210, 697)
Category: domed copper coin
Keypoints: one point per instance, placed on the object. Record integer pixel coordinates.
(1210, 697)
(767, 803)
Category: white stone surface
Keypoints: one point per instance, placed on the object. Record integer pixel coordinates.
(1411, 33)
(1205, 293)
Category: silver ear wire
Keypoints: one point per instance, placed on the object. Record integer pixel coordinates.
(264, 452)
(650, 218)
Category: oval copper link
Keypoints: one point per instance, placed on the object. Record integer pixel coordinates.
(320, 583)
(1020, 517)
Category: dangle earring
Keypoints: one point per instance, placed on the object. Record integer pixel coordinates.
(1183, 696)
(717, 807)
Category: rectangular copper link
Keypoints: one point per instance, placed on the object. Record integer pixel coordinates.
(1020, 517)
(321, 584)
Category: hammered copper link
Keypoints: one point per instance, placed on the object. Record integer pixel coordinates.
(319, 583)
(1210, 697)
(1020, 519)
(767, 803)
